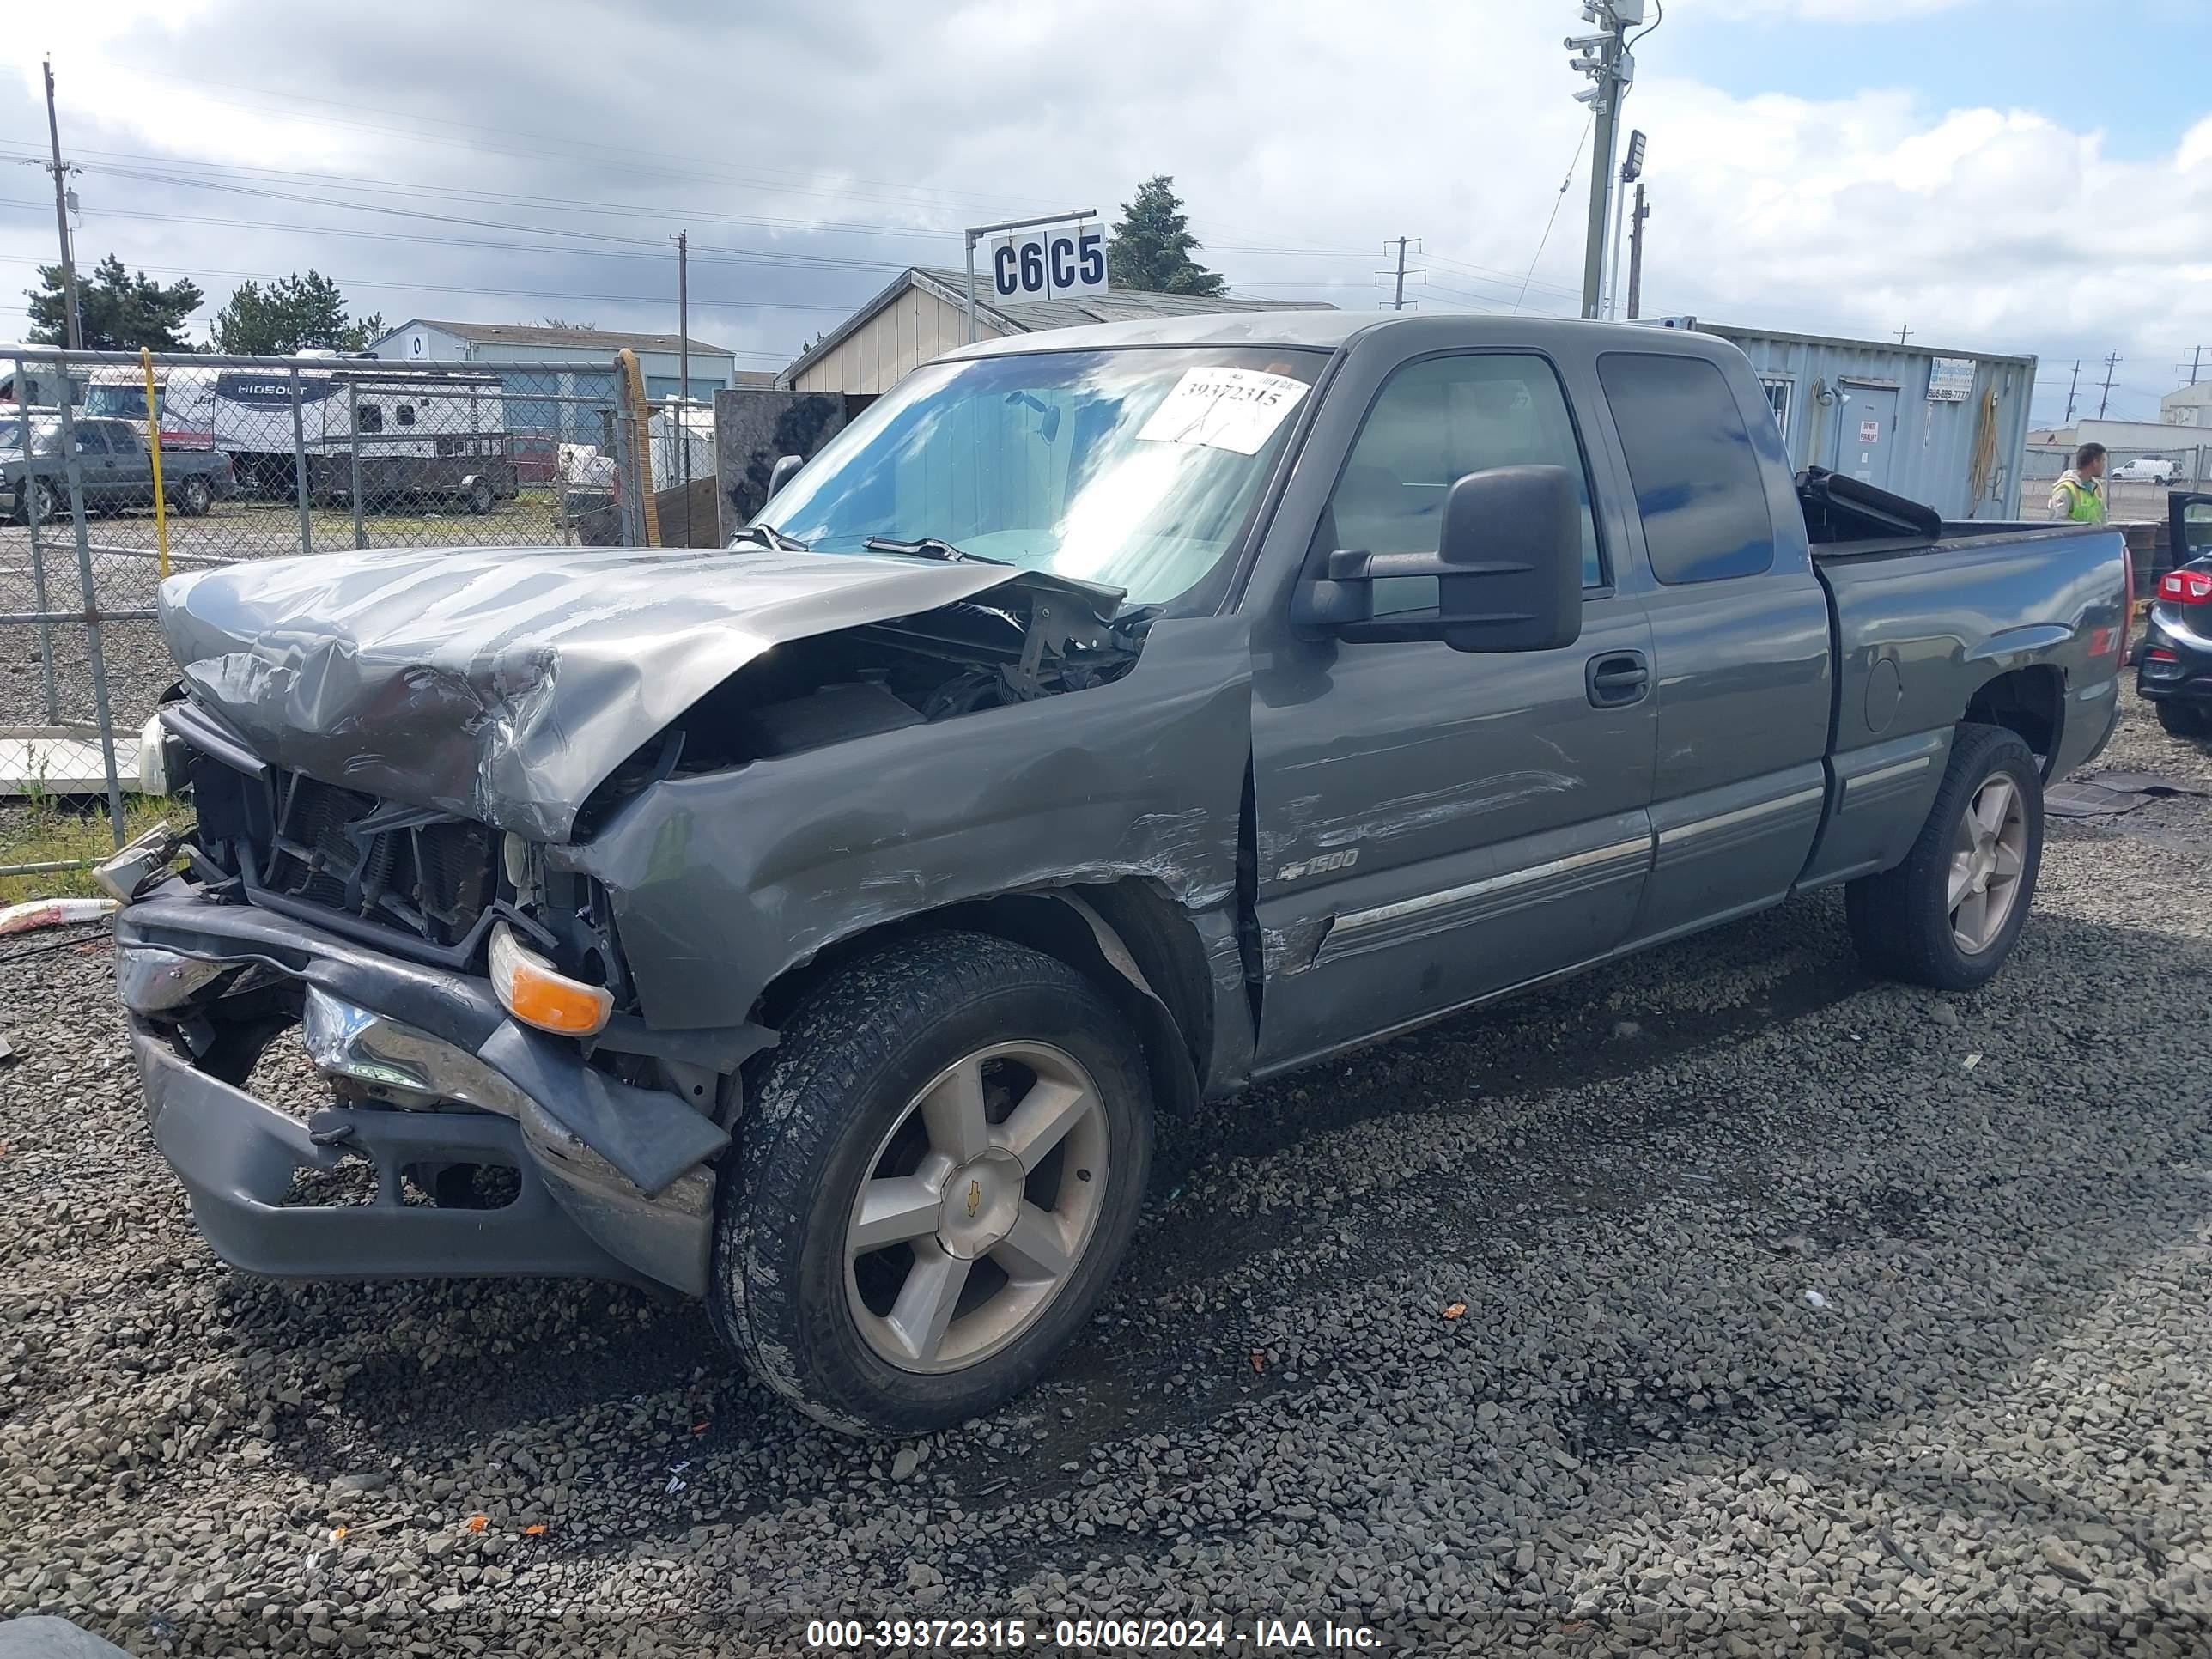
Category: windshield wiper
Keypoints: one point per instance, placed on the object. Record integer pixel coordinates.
(767, 535)
(928, 547)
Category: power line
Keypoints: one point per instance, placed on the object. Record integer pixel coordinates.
(1502, 278)
(506, 199)
(823, 262)
(353, 181)
(758, 178)
(470, 288)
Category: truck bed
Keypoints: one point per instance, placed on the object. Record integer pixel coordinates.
(1920, 622)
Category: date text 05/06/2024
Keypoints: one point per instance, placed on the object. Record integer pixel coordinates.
(1264, 1636)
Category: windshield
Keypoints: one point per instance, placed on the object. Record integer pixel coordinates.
(119, 402)
(45, 435)
(1135, 469)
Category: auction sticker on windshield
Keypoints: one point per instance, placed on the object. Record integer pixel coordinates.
(1234, 409)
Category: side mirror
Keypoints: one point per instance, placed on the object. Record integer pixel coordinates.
(780, 474)
(1508, 565)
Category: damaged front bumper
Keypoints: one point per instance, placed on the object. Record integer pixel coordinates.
(609, 1180)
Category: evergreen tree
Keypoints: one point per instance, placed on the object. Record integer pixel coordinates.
(294, 313)
(119, 312)
(1151, 248)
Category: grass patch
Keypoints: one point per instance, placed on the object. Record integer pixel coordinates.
(45, 830)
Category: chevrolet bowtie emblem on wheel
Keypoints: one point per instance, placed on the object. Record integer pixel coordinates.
(975, 1198)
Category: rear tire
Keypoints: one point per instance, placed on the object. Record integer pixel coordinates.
(194, 498)
(2181, 719)
(480, 498)
(934, 1297)
(1949, 916)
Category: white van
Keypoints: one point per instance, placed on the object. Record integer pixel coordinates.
(2146, 469)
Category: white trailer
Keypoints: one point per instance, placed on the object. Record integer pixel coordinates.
(407, 435)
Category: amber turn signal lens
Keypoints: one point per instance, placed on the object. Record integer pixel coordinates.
(529, 987)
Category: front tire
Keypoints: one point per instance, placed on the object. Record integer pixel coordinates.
(52, 508)
(934, 1181)
(1950, 914)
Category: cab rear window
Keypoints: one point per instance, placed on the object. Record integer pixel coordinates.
(1699, 488)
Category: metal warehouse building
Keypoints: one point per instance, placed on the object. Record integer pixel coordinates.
(1946, 428)
(923, 314)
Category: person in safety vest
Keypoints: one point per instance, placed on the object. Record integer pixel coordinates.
(2079, 496)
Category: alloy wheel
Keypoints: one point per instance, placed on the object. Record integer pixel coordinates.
(977, 1207)
(1988, 854)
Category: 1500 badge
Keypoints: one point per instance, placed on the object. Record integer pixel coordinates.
(1319, 864)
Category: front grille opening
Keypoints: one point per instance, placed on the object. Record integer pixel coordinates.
(424, 873)
(351, 1184)
(460, 1186)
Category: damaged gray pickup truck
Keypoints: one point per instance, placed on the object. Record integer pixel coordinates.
(1104, 722)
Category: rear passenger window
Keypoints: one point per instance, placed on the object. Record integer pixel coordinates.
(1435, 421)
(1698, 483)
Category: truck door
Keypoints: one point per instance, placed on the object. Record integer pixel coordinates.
(131, 467)
(96, 463)
(2189, 519)
(1434, 826)
(1866, 433)
(1738, 635)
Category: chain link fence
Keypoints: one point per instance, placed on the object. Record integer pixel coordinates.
(118, 469)
(2137, 480)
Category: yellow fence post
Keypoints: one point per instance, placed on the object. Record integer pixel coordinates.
(153, 451)
(632, 381)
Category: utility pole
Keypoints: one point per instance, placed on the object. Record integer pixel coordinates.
(74, 326)
(1397, 300)
(682, 423)
(2073, 382)
(683, 312)
(1901, 334)
(1631, 169)
(2111, 362)
(2195, 362)
(1604, 57)
(1636, 253)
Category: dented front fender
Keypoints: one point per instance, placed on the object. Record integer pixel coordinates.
(722, 882)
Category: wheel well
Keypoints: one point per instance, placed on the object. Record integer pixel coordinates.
(1171, 1011)
(2028, 701)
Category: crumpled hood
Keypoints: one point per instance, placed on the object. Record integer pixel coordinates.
(505, 683)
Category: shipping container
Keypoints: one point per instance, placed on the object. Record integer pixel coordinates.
(1946, 428)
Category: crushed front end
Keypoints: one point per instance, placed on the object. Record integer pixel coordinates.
(448, 1136)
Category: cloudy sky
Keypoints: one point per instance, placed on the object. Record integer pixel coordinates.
(2014, 175)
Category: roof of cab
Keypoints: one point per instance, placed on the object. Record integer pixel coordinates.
(1327, 330)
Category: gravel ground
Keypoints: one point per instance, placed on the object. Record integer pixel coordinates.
(1801, 1314)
